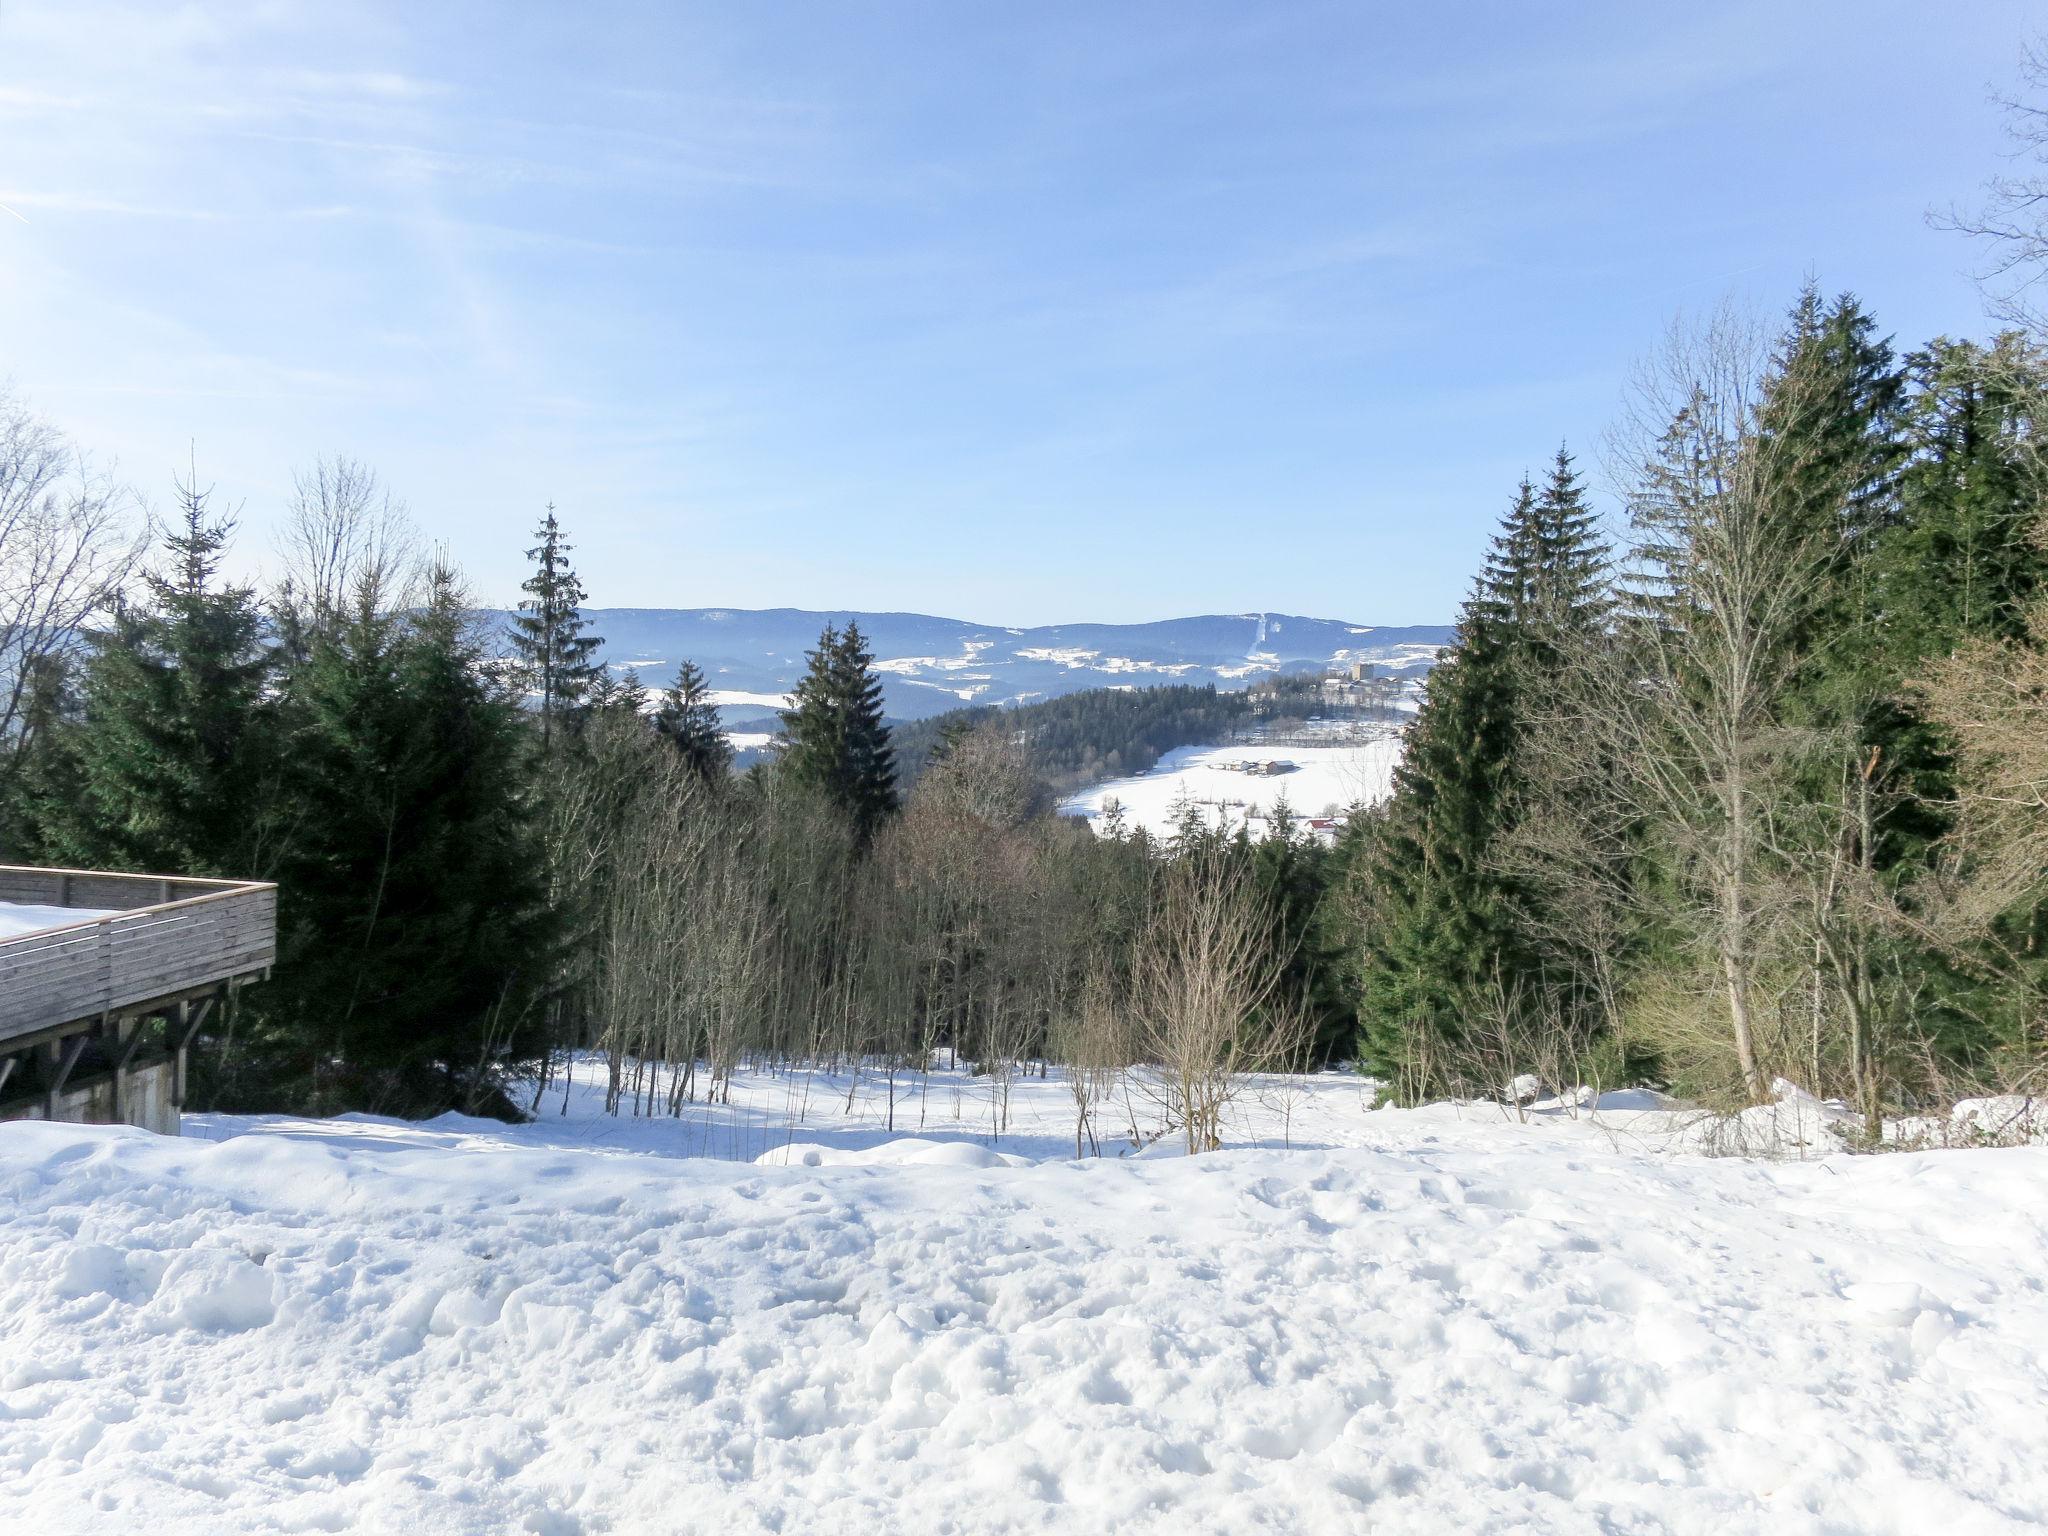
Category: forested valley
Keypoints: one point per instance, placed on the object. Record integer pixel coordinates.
(1746, 788)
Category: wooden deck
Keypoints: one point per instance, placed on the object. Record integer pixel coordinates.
(93, 992)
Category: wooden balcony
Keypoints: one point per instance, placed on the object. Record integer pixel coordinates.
(96, 1014)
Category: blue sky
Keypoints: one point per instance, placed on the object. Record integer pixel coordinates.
(1021, 313)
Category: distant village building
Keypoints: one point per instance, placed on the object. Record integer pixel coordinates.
(1359, 687)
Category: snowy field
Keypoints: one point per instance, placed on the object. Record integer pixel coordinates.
(1442, 1320)
(1324, 781)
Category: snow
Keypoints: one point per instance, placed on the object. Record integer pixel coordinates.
(1458, 1318)
(17, 918)
(1325, 780)
(729, 696)
(1073, 657)
(971, 656)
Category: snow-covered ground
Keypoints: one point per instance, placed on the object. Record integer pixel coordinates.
(1324, 781)
(725, 698)
(1403, 1321)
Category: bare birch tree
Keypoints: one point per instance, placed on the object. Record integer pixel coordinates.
(1691, 706)
(345, 534)
(70, 536)
(2013, 222)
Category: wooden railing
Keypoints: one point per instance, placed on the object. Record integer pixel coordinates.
(169, 936)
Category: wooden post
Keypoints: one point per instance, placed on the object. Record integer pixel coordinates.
(7, 1066)
(181, 1028)
(180, 1036)
(67, 1058)
(127, 1038)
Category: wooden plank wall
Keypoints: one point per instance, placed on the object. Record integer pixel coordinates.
(203, 931)
(35, 887)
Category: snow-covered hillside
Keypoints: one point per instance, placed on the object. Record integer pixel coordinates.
(1318, 781)
(929, 664)
(1428, 1321)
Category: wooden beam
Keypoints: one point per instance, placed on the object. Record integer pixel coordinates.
(129, 1033)
(178, 1033)
(67, 1058)
(128, 1038)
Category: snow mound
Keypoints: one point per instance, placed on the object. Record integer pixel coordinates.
(909, 1151)
(1473, 1324)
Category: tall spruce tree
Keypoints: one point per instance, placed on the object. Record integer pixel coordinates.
(834, 740)
(176, 758)
(555, 654)
(1447, 925)
(688, 720)
(1828, 421)
(1570, 586)
(1963, 560)
(42, 789)
(415, 934)
(1440, 922)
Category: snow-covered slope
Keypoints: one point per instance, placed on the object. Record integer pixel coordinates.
(930, 664)
(1317, 781)
(1408, 1322)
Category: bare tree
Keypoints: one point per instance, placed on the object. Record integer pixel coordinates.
(1204, 984)
(2013, 222)
(344, 536)
(1691, 706)
(70, 536)
(1092, 1040)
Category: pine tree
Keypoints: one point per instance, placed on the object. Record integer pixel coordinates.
(1190, 832)
(1293, 874)
(42, 789)
(1832, 397)
(1440, 921)
(555, 655)
(1958, 568)
(1505, 595)
(1962, 561)
(1115, 822)
(175, 757)
(834, 740)
(1447, 925)
(1828, 425)
(415, 934)
(1569, 589)
(688, 720)
(617, 693)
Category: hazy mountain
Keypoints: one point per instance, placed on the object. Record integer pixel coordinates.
(931, 664)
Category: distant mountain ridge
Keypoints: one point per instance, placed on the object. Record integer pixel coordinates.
(930, 664)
